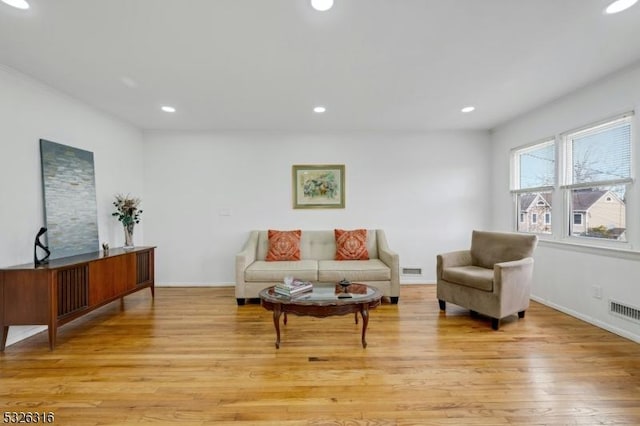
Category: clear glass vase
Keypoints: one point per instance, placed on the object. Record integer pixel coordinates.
(128, 235)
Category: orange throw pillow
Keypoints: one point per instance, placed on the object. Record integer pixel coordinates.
(351, 245)
(283, 245)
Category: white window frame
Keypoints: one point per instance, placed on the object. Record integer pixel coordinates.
(517, 189)
(567, 185)
(561, 190)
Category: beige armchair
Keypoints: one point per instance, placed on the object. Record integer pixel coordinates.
(493, 278)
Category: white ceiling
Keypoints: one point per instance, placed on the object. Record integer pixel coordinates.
(264, 64)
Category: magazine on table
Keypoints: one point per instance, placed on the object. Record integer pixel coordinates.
(301, 293)
(293, 286)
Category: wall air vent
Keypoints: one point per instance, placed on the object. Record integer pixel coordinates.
(624, 311)
(411, 271)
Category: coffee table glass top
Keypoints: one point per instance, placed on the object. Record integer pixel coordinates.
(325, 293)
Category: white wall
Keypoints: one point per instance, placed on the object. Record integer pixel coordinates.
(31, 111)
(564, 275)
(426, 190)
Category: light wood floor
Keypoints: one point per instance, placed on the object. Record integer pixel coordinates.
(192, 357)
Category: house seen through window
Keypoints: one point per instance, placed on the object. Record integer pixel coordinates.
(595, 162)
(534, 180)
(598, 174)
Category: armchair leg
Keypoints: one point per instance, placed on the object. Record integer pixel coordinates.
(240, 302)
(443, 304)
(495, 323)
(521, 314)
(394, 299)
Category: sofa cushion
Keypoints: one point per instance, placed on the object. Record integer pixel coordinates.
(353, 270)
(318, 245)
(283, 245)
(351, 245)
(263, 271)
(470, 276)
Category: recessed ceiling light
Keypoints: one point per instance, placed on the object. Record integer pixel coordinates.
(19, 4)
(319, 109)
(468, 108)
(322, 5)
(167, 108)
(619, 6)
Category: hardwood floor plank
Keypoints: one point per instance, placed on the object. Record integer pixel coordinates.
(193, 357)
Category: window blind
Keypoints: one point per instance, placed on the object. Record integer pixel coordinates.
(601, 155)
(536, 167)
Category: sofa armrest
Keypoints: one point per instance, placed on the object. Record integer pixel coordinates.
(454, 258)
(388, 256)
(392, 260)
(246, 257)
(513, 277)
(450, 259)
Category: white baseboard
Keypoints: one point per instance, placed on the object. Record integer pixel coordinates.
(606, 326)
(415, 281)
(196, 284)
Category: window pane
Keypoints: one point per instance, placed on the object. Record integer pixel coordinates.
(599, 212)
(577, 219)
(601, 155)
(537, 166)
(532, 207)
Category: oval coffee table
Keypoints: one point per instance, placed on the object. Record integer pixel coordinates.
(326, 299)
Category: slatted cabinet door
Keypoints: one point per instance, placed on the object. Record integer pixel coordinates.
(72, 285)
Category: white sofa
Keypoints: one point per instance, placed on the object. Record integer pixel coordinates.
(317, 264)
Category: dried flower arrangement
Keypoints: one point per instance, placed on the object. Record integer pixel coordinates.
(127, 212)
(127, 209)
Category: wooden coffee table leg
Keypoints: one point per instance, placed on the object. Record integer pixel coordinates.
(364, 311)
(277, 311)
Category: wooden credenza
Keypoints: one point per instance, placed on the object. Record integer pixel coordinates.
(67, 288)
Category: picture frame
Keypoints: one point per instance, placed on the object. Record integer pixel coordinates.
(318, 186)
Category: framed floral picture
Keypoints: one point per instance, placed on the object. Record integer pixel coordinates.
(318, 186)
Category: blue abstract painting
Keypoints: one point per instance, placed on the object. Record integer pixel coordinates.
(69, 190)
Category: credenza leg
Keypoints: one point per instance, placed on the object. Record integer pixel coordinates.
(4, 329)
(52, 336)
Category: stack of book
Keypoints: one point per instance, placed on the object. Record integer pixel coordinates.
(294, 288)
